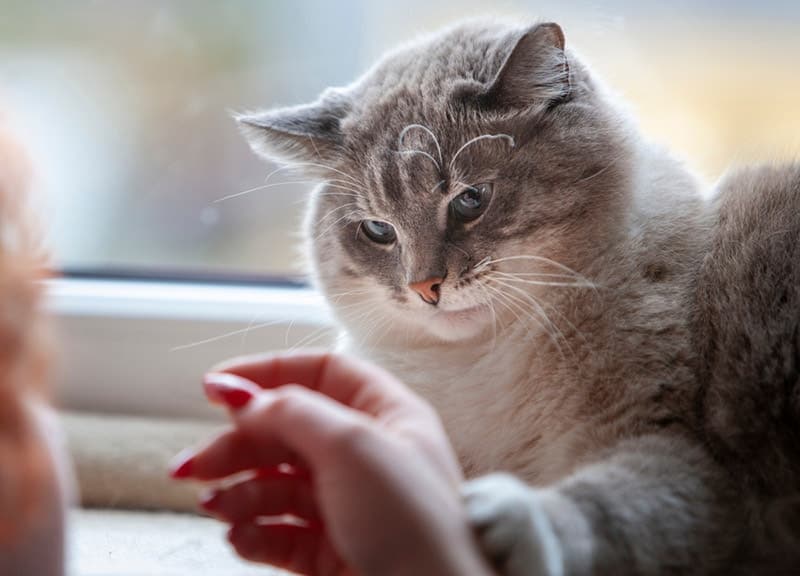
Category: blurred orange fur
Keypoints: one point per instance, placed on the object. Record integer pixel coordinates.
(24, 464)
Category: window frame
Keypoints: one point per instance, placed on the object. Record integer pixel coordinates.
(140, 347)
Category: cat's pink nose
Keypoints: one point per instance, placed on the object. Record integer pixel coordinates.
(428, 289)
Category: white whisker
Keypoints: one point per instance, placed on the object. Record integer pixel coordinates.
(426, 129)
(339, 295)
(256, 189)
(314, 165)
(376, 321)
(332, 211)
(226, 335)
(508, 138)
(488, 301)
(421, 153)
(349, 194)
(542, 259)
(482, 264)
(387, 327)
(438, 185)
(514, 278)
(601, 170)
(521, 303)
(464, 252)
(314, 146)
(344, 185)
(553, 330)
(572, 326)
(540, 274)
(515, 308)
(308, 339)
(330, 227)
(289, 183)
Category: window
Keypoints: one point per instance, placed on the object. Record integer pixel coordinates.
(127, 109)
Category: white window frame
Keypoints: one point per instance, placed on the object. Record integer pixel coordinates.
(141, 347)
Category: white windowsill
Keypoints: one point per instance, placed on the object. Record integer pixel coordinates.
(139, 347)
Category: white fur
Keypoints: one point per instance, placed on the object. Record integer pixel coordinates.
(514, 529)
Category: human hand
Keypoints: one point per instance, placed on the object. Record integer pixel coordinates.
(372, 485)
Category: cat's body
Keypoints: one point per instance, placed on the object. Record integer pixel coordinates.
(494, 230)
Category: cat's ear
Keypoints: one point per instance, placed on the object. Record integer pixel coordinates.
(535, 75)
(301, 134)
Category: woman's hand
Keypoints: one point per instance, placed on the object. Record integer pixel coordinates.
(360, 464)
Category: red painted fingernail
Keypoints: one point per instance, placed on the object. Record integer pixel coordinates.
(226, 393)
(282, 471)
(235, 397)
(315, 526)
(184, 469)
(209, 500)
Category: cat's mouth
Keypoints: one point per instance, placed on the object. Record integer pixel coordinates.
(463, 313)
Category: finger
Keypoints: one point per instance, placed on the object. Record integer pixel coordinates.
(229, 389)
(296, 548)
(230, 452)
(347, 380)
(291, 425)
(305, 423)
(270, 493)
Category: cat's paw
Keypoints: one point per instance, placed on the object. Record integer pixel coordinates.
(512, 529)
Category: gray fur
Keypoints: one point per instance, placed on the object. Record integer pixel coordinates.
(628, 350)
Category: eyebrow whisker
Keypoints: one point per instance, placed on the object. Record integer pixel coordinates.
(424, 128)
(432, 159)
(508, 138)
(438, 185)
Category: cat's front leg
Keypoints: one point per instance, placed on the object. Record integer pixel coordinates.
(653, 506)
(512, 527)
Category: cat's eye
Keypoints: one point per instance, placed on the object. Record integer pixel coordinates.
(471, 203)
(378, 231)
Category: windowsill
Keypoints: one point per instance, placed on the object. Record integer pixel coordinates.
(137, 347)
(124, 543)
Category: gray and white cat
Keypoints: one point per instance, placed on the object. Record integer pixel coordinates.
(491, 226)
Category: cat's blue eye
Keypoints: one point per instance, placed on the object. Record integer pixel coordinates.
(378, 231)
(471, 203)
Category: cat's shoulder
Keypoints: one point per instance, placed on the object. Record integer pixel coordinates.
(755, 226)
(756, 194)
(755, 233)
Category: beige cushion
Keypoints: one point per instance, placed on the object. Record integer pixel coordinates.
(122, 461)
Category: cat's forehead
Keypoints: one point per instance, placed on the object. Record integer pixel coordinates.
(405, 185)
(414, 84)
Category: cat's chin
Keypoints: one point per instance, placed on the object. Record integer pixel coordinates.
(462, 324)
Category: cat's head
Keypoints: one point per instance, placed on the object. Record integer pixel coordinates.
(463, 177)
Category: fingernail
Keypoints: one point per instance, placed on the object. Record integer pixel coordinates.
(208, 500)
(282, 471)
(315, 526)
(221, 388)
(183, 466)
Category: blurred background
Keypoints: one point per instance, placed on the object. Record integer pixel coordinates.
(125, 105)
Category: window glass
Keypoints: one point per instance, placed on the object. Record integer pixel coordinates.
(126, 105)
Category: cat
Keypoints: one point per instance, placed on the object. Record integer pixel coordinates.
(614, 356)
(33, 469)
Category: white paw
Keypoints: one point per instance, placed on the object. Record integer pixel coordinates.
(511, 526)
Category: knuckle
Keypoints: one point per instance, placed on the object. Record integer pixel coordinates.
(286, 400)
(348, 438)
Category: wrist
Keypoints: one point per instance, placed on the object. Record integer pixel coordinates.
(454, 553)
